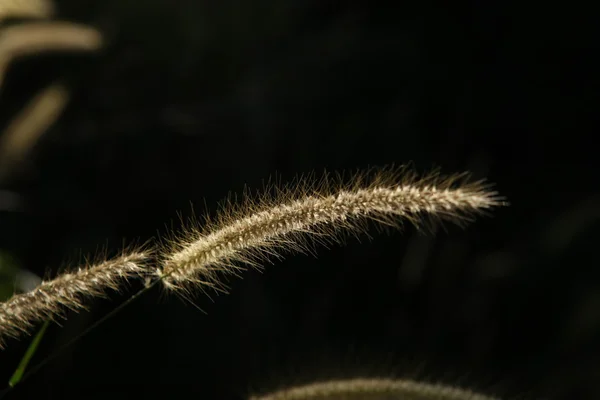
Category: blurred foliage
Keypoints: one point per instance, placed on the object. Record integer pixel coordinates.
(8, 275)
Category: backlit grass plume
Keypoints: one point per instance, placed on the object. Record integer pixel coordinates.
(372, 389)
(68, 291)
(249, 232)
(258, 228)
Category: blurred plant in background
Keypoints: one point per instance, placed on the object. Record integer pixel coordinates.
(14, 279)
(191, 99)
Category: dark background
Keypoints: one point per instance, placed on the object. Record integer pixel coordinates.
(190, 100)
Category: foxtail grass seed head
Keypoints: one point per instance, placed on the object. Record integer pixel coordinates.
(372, 389)
(260, 227)
(321, 210)
(68, 291)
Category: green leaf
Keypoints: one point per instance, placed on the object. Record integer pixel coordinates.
(16, 377)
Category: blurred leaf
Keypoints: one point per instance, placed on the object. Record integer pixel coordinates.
(8, 274)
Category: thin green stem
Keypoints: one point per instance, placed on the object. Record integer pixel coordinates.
(38, 366)
(18, 375)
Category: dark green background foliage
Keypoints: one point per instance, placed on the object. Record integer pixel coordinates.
(190, 100)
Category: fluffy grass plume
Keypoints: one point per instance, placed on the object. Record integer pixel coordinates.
(68, 291)
(284, 218)
(372, 389)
